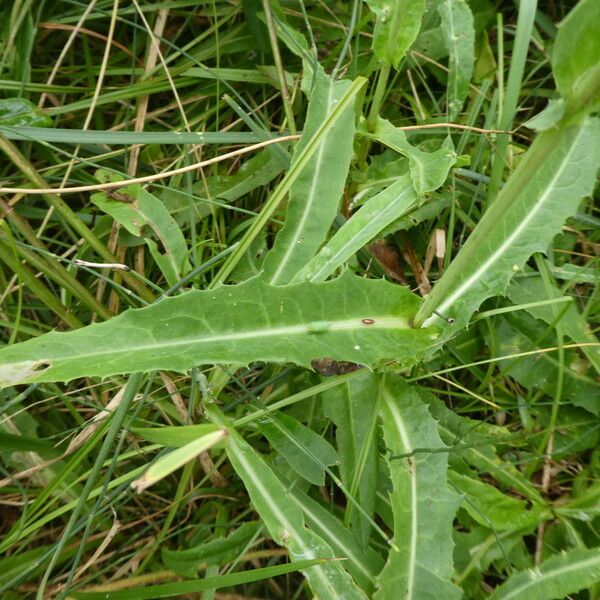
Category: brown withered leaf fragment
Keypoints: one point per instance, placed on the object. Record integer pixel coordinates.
(387, 256)
(328, 367)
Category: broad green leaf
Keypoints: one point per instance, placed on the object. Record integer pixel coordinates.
(557, 170)
(21, 443)
(218, 551)
(185, 588)
(488, 506)
(396, 27)
(459, 35)
(348, 319)
(549, 117)
(420, 562)
(174, 460)
(307, 452)
(427, 169)
(285, 522)
(555, 578)
(353, 408)
(576, 57)
(315, 195)
(141, 213)
(175, 436)
(373, 217)
(363, 563)
(19, 112)
(532, 289)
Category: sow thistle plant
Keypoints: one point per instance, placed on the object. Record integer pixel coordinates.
(212, 361)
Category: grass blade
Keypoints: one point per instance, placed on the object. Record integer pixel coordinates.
(180, 588)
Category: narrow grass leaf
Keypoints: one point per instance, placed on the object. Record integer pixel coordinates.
(373, 217)
(348, 319)
(285, 522)
(315, 195)
(353, 408)
(397, 25)
(174, 460)
(557, 170)
(459, 35)
(419, 565)
(181, 588)
(307, 452)
(555, 578)
(427, 169)
(126, 138)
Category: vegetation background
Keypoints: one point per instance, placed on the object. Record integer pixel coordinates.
(363, 241)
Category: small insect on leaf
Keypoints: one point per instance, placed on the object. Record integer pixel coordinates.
(328, 366)
(119, 196)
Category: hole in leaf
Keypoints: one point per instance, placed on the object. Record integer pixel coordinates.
(41, 366)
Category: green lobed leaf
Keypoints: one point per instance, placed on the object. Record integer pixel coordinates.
(218, 551)
(419, 565)
(396, 27)
(296, 168)
(315, 196)
(347, 319)
(373, 217)
(576, 57)
(459, 35)
(352, 406)
(141, 213)
(428, 170)
(555, 578)
(307, 452)
(285, 522)
(557, 170)
(20, 112)
(488, 506)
